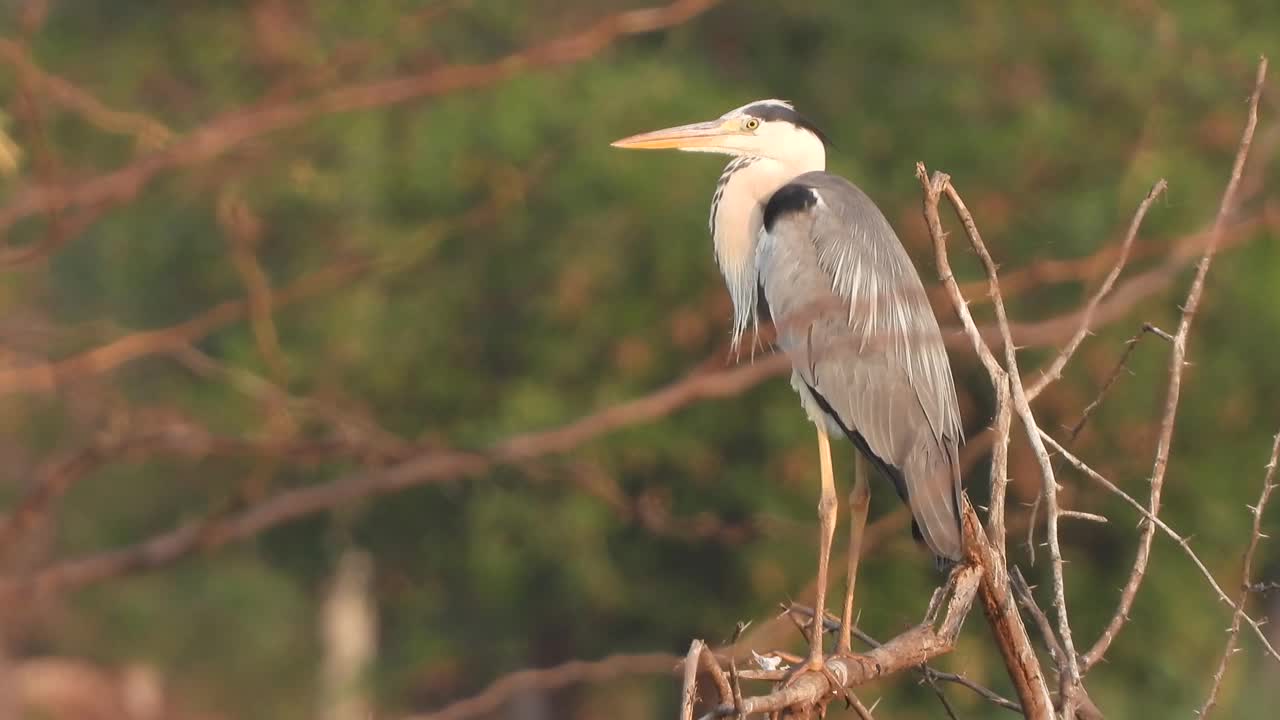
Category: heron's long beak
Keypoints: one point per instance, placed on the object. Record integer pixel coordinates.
(696, 135)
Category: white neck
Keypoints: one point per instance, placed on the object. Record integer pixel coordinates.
(746, 186)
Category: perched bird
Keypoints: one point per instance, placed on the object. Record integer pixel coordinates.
(867, 356)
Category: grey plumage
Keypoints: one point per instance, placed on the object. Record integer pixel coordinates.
(866, 350)
(867, 355)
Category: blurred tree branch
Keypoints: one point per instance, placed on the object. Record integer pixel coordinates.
(50, 376)
(148, 132)
(574, 671)
(237, 127)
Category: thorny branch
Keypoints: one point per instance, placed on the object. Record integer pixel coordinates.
(1129, 346)
(1177, 363)
(1054, 371)
(1246, 582)
(1155, 521)
(1001, 611)
(1022, 407)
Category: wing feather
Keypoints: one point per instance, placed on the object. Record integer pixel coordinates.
(854, 317)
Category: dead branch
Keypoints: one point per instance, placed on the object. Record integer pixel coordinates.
(701, 658)
(910, 649)
(1177, 363)
(1022, 407)
(1129, 346)
(997, 374)
(1028, 601)
(1007, 628)
(1091, 658)
(1011, 637)
(1246, 582)
(1054, 371)
(927, 672)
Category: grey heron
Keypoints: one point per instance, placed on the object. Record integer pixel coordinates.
(851, 313)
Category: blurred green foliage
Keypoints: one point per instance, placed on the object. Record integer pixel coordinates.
(524, 274)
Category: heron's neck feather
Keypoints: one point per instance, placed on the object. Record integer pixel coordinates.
(737, 211)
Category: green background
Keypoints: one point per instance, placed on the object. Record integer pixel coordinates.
(521, 273)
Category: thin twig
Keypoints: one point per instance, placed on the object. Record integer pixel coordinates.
(931, 679)
(1054, 371)
(1081, 515)
(1028, 602)
(1011, 636)
(1022, 406)
(1255, 535)
(1031, 526)
(1129, 346)
(997, 374)
(1091, 657)
(1177, 362)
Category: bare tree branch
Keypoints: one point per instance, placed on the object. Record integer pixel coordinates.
(1129, 346)
(910, 649)
(1177, 362)
(1246, 582)
(1054, 371)
(939, 184)
(928, 672)
(1091, 658)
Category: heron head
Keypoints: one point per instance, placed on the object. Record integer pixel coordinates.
(764, 128)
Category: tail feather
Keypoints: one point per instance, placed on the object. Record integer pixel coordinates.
(933, 492)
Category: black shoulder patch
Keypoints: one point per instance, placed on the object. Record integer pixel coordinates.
(788, 199)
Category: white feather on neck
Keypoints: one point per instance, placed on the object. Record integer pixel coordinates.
(778, 153)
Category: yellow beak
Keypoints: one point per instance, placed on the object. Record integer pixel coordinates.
(696, 135)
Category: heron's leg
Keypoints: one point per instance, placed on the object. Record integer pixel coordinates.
(827, 527)
(859, 500)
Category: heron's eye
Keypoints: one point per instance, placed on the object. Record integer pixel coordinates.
(751, 124)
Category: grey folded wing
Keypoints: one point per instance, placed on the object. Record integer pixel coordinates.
(855, 320)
